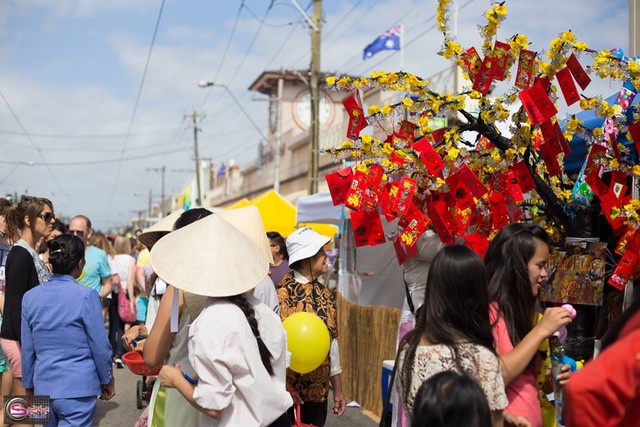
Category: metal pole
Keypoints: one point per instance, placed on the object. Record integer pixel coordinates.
(162, 199)
(276, 159)
(315, 97)
(194, 119)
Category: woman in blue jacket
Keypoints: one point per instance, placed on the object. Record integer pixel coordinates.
(66, 354)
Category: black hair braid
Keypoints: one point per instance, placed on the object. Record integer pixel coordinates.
(249, 313)
(65, 252)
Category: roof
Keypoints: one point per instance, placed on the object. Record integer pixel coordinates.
(267, 82)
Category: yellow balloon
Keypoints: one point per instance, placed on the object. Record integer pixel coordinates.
(307, 340)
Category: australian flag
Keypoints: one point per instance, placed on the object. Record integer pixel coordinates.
(387, 41)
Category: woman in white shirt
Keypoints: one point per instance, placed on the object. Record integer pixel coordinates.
(237, 345)
(122, 267)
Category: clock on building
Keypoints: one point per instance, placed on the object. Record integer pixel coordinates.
(302, 109)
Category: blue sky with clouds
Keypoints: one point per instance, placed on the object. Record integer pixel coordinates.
(71, 70)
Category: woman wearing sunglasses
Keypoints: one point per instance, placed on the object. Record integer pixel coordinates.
(32, 219)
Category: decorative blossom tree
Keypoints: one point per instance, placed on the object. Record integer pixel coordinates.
(437, 178)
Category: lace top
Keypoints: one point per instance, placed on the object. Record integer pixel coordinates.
(476, 360)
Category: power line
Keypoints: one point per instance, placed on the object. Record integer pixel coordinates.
(135, 107)
(95, 162)
(88, 136)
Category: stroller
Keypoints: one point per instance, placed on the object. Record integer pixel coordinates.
(136, 365)
(143, 392)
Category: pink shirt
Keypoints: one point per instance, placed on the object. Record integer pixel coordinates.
(522, 391)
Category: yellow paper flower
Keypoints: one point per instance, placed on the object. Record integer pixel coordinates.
(373, 110)
(407, 102)
(386, 110)
(366, 139)
(331, 80)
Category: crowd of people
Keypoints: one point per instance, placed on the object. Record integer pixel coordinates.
(205, 295)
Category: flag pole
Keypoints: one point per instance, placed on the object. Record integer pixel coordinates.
(401, 47)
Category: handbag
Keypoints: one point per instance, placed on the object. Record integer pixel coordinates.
(298, 418)
(127, 315)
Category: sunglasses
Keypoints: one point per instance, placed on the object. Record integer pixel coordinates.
(76, 232)
(48, 216)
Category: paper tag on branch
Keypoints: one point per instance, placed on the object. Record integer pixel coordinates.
(357, 120)
(471, 61)
(429, 156)
(624, 271)
(367, 228)
(523, 176)
(525, 69)
(537, 104)
(339, 183)
(578, 73)
(500, 57)
(483, 79)
(567, 86)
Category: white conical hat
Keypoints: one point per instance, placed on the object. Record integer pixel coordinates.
(249, 221)
(210, 258)
(150, 236)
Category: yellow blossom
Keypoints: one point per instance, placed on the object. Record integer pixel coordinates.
(347, 144)
(451, 49)
(597, 132)
(386, 110)
(573, 124)
(614, 163)
(386, 149)
(568, 37)
(362, 168)
(407, 102)
(331, 80)
(453, 153)
(366, 139)
(373, 110)
(580, 46)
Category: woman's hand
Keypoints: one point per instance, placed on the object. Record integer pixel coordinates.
(108, 390)
(563, 377)
(169, 374)
(131, 335)
(553, 319)
(515, 420)
(297, 400)
(339, 403)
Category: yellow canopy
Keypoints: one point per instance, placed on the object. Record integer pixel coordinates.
(242, 203)
(280, 215)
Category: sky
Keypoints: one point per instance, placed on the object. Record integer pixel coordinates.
(93, 98)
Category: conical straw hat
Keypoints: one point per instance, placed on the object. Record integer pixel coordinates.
(249, 221)
(210, 258)
(159, 229)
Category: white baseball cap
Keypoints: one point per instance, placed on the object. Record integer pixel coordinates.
(304, 243)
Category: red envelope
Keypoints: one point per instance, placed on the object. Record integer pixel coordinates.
(418, 223)
(578, 73)
(596, 152)
(394, 158)
(404, 197)
(596, 184)
(516, 191)
(608, 202)
(483, 79)
(537, 104)
(407, 130)
(523, 176)
(634, 132)
(386, 199)
(367, 228)
(471, 181)
(567, 86)
(513, 210)
(618, 185)
(624, 271)
(373, 187)
(500, 57)
(550, 136)
(550, 159)
(525, 69)
(339, 183)
(357, 120)
(498, 209)
(560, 137)
(629, 242)
(429, 156)
(462, 221)
(472, 62)
(545, 82)
(477, 242)
(439, 225)
(354, 199)
(464, 200)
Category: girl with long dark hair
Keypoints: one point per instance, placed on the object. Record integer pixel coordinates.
(453, 331)
(237, 345)
(516, 262)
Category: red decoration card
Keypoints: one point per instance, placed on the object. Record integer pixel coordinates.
(439, 224)
(634, 132)
(339, 183)
(354, 197)
(471, 181)
(578, 73)
(537, 104)
(567, 86)
(386, 199)
(429, 156)
(357, 120)
(407, 130)
(525, 69)
(498, 209)
(618, 185)
(523, 176)
(516, 191)
(629, 242)
(464, 200)
(500, 57)
(550, 159)
(596, 152)
(418, 223)
(367, 228)
(483, 79)
(404, 197)
(624, 271)
(472, 62)
(477, 242)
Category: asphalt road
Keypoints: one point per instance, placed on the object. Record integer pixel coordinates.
(121, 411)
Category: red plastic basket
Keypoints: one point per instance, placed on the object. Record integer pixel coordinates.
(135, 363)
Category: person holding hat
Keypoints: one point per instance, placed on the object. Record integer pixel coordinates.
(301, 290)
(240, 363)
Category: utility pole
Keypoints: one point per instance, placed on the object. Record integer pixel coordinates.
(314, 72)
(150, 202)
(276, 158)
(194, 118)
(161, 170)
